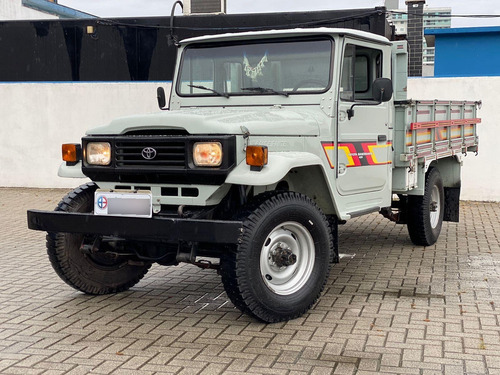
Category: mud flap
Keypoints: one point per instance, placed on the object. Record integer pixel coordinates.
(451, 204)
(333, 221)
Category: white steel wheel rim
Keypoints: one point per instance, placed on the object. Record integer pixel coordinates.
(435, 207)
(289, 279)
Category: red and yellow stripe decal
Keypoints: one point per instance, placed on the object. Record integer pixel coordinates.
(329, 149)
(357, 154)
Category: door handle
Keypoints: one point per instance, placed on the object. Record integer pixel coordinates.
(382, 138)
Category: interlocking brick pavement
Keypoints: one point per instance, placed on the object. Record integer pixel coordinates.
(389, 307)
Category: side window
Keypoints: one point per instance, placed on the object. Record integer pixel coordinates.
(347, 80)
(360, 67)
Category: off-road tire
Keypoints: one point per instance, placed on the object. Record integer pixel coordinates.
(80, 270)
(291, 219)
(425, 213)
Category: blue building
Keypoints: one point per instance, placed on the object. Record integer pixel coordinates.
(465, 52)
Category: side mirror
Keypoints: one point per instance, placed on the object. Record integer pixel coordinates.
(382, 90)
(162, 99)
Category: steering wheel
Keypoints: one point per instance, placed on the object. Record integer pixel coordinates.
(305, 82)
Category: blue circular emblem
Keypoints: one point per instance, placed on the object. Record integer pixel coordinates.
(102, 202)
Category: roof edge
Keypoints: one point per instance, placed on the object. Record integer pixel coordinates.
(289, 32)
(463, 30)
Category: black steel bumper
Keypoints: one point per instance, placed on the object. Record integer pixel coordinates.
(156, 228)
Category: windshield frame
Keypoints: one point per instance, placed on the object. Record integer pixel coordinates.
(262, 41)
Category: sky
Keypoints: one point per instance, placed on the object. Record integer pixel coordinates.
(142, 8)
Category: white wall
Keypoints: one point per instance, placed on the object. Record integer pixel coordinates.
(36, 118)
(480, 174)
(14, 10)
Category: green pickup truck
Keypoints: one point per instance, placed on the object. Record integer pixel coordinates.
(270, 140)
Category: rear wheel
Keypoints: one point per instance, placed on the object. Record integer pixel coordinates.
(425, 213)
(96, 272)
(282, 263)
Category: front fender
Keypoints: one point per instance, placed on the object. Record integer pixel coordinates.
(279, 164)
(71, 171)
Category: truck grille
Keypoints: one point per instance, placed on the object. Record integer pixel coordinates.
(150, 153)
(134, 162)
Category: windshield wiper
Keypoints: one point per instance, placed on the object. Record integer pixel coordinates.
(265, 90)
(225, 95)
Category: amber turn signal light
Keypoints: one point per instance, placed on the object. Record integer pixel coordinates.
(257, 157)
(71, 152)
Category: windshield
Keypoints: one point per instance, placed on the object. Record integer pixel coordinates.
(256, 68)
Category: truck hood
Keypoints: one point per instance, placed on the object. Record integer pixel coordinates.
(278, 121)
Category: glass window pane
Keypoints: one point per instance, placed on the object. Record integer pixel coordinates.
(361, 66)
(292, 66)
(347, 80)
(361, 82)
(198, 72)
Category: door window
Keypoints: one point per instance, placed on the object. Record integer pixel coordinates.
(360, 67)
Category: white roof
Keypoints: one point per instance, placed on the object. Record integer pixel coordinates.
(288, 32)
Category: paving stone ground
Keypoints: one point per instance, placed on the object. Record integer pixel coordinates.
(389, 307)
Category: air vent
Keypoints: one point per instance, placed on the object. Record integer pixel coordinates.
(164, 132)
(204, 6)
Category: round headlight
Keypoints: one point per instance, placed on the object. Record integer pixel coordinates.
(98, 153)
(207, 154)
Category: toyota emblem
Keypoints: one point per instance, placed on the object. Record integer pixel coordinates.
(148, 153)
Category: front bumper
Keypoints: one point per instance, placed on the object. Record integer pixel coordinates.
(156, 228)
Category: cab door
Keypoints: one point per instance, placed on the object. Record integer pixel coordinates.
(363, 146)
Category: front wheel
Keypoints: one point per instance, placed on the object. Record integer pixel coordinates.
(94, 273)
(425, 213)
(282, 263)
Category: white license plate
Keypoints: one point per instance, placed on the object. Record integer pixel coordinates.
(123, 203)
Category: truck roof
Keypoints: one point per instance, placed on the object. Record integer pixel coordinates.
(288, 32)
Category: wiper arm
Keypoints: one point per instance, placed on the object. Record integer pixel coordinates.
(266, 90)
(225, 95)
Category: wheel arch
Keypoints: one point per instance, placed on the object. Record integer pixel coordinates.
(450, 169)
(301, 172)
(312, 182)
(278, 166)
